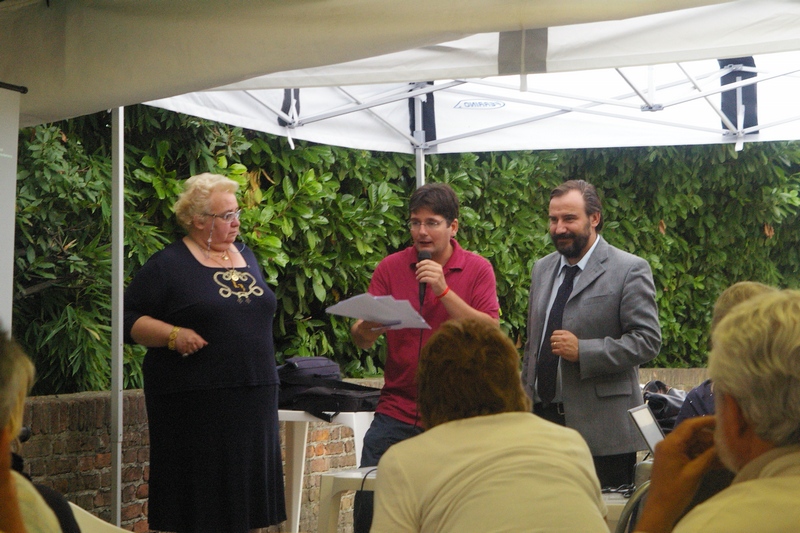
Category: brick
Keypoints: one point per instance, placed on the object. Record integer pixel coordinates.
(59, 447)
(101, 499)
(128, 494)
(102, 460)
(320, 435)
(35, 468)
(104, 515)
(319, 465)
(82, 443)
(86, 463)
(60, 484)
(90, 481)
(62, 465)
(335, 448)
(37, 446)
(40, 418)
(86, 501)
(143, 491)
(132, 474)
(59, 417)
(129, 512)
(129, 456)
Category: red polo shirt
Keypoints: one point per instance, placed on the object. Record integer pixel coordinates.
(468, 275)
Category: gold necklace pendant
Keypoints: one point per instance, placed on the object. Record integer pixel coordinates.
(234, 274)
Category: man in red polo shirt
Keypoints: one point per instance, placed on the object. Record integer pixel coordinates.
(458, 284)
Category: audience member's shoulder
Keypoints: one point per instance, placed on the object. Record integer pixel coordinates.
(36, 514)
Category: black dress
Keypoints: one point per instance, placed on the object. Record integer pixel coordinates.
(215, 458)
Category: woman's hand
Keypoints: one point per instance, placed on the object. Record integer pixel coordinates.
(189, 342)
(154, 333)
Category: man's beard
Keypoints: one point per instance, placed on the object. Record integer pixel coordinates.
(573, 249)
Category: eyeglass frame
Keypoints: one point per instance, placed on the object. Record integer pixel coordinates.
(227, 217)
(415, 225)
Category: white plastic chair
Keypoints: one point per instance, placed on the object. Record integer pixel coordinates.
(89, 523)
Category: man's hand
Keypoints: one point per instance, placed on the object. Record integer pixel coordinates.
(365, 333)
(565, 345)
(680, 462)
(431, 272)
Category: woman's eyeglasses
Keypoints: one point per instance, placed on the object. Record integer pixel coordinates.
(227, 217)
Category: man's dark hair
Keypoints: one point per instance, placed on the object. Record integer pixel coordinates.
(590, 197)
(438, 197)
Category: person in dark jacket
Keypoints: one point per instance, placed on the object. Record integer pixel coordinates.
(700, 400)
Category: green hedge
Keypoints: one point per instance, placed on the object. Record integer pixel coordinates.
(320, 218)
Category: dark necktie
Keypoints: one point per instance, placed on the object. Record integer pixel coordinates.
(547, 369)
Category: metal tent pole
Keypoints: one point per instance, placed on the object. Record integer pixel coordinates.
(9, 135)
(117, 254)
(419, 136)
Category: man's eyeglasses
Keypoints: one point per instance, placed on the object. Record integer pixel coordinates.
(227, 217)
(430, 224)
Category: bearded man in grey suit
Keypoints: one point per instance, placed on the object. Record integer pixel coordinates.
(582, 371)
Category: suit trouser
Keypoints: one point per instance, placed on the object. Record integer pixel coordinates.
(612, 470)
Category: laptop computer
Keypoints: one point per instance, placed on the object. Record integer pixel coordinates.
(646, 423)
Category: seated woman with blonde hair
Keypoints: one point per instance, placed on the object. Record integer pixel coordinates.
(22, 508)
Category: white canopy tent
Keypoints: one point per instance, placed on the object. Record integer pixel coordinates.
(61, 59)
(597, 84)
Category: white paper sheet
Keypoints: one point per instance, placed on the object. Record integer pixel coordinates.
(395, 314)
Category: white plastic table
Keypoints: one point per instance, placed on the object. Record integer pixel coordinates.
(296, 440)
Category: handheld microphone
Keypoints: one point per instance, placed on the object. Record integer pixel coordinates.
(424, 254)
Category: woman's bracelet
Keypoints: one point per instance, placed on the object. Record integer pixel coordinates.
(445, 291)
(173, 335)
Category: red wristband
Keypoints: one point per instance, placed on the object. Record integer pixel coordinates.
(445, 291)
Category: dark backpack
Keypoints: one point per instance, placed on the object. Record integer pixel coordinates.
(313, 385)
(665, 402)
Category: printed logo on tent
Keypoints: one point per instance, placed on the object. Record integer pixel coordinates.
(479, 104)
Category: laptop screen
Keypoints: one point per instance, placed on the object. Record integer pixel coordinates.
(648, 425)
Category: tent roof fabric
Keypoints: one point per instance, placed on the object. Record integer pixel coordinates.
(82, 56)
(597, 84)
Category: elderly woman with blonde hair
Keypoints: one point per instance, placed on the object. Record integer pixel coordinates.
(22, 508)
(203, 310)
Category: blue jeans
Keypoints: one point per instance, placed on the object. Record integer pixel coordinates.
(382, 433)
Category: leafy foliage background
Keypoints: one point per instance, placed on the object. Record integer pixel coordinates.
(320, 218)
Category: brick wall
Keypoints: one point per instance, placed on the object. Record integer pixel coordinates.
(70, 450)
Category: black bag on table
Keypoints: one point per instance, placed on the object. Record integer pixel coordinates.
(665, 402)
(314, 385)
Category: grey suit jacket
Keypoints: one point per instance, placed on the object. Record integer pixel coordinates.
(613, 312)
